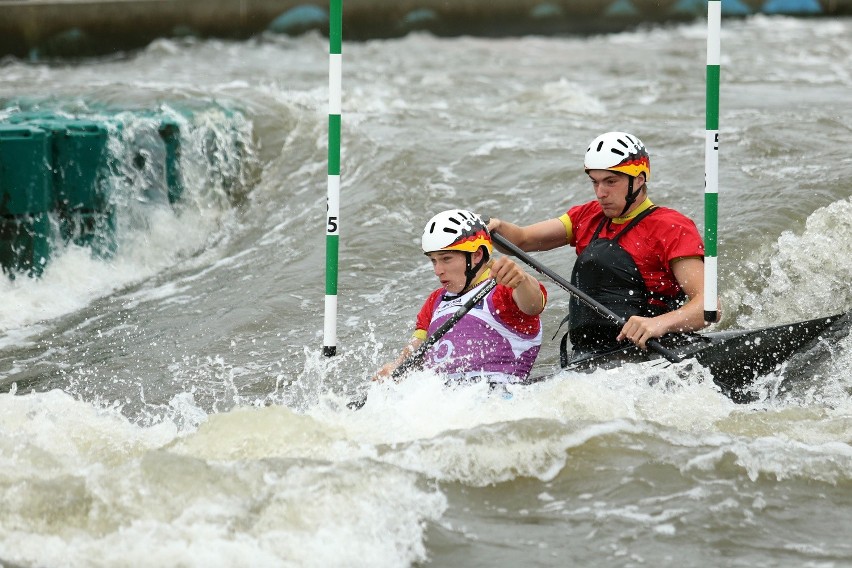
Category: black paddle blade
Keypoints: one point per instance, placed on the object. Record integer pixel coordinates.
(357, 404)
(735, 358)
(738, 358)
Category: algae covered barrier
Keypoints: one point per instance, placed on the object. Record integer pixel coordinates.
(90, 177)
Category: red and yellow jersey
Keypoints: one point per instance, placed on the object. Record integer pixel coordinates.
(652, 244)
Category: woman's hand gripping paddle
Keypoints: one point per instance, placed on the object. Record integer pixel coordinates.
(415, 360)
(653, 344)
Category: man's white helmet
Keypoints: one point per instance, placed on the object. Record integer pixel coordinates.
(618, 152)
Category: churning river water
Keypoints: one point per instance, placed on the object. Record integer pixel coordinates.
(170, 406)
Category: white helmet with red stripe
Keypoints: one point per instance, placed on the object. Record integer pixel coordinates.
(456, 229)
(618, 152)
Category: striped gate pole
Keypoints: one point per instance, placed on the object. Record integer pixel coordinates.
(332, 227)
(711, 161)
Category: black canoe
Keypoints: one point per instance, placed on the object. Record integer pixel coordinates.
(735, 358)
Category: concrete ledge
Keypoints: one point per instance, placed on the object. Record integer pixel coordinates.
(68, 28)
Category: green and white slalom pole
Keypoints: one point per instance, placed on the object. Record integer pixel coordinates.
(332, 227)
(711, 161)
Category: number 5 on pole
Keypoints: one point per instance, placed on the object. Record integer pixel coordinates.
(711, 161)
(332, 228)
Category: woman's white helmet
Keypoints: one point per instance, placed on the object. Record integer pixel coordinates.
(456, 229)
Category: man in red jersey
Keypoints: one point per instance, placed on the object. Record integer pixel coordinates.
(643, 262)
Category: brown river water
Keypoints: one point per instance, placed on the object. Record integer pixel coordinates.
(170, 406)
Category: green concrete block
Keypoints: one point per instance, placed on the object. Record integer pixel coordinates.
(25, 170)
(80, 181)
(96, 231)
(80, 155)
(169, 131)
(153, 148)
(25, 244)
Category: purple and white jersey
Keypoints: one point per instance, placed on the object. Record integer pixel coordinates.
(481, 344)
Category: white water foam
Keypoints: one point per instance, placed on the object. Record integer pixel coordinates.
(74, 277)
(81, 484)
(807, 274)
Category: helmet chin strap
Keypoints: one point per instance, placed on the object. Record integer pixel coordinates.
(631, 196)
(470, 270)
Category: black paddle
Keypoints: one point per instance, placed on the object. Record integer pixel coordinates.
(568, 287)
(415, 360)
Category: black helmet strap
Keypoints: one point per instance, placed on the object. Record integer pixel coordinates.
(631, 196)
(471, 270)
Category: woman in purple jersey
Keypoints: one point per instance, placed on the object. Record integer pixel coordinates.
(500, 337)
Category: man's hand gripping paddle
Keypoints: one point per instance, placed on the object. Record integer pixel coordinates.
(653, 344)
